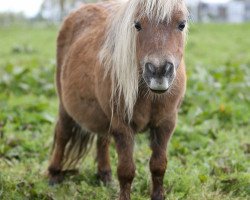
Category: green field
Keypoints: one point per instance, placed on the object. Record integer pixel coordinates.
(209, 154)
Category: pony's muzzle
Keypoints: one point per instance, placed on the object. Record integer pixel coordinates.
(159, 78)
(159, 71)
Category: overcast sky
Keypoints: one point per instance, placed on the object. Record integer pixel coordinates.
(28, 7)
(31, 7)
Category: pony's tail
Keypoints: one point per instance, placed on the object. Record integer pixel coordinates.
(77, 148)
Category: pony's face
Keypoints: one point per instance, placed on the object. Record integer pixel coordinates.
(160, 48)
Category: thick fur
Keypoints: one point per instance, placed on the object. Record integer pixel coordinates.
(101, 89)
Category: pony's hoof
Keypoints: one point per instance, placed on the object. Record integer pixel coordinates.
(54, 180)
(105, 177)
(158, 197)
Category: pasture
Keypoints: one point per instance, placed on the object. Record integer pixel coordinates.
(209, 154)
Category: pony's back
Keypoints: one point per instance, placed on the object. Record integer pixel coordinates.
(79, 24)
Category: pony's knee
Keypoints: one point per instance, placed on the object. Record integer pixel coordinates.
(126, 173)
(158, 166)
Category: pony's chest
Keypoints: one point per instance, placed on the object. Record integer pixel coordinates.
(141, 116)
(150, 114)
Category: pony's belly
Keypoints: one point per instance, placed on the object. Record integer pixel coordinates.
(98, 127)
(94, 123)
(87, 113)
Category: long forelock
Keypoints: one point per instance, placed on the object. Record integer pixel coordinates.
(118, 54)
(159, 10)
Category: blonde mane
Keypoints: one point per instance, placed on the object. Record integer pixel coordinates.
(118, 54)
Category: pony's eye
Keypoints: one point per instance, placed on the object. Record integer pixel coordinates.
(182, 25)
(138, 26)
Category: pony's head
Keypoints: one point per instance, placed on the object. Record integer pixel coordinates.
(144, 38)
(160, 48)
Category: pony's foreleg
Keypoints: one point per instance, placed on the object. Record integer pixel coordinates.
(158, 163)
(124, 141)
(103, 161)
(63, 128)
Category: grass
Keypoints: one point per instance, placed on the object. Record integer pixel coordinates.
(209, 154)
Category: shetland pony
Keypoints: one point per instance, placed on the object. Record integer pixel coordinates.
(120, 70)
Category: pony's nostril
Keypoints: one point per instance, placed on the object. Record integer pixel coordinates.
(150, 67)
(169, 68)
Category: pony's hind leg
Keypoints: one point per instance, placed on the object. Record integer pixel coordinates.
(63, 129)
(103, 161)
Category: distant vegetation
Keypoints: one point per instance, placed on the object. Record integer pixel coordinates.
(7, 18)
(51, 11)
(209, 154)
